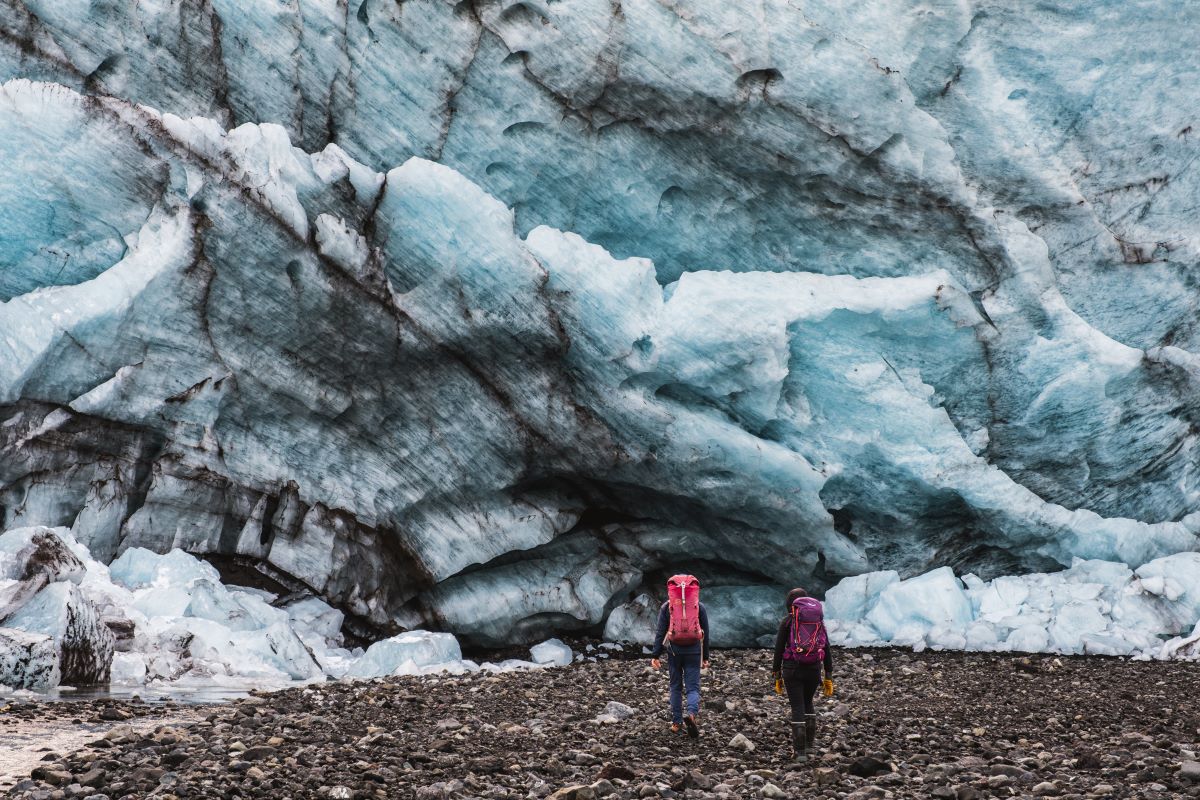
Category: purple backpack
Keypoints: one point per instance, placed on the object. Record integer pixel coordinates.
(807, 639)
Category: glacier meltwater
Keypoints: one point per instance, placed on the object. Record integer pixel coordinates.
(483, 318)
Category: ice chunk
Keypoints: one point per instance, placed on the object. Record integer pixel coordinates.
(238, 611)
(314, 615)
(204, 647)
(28, 553)
(1073, 623)
(1001, 598)
(138, 568)
(422, 648)
(946, 637)
(1183, 646)
(279, 648)
(1093, 607)
(177, 621)
(261, 594)
(1176, 579)
(162, 601)
(981, 636)
(1106, 573)
(1028, 639)
(1101, 644)
(633, 622)
(1164, 587)
(935, 598)
(28, 660)
(334, 661)
(552, 652)
(510, 665)
(128, 669)
(852, 597)
(84, 643)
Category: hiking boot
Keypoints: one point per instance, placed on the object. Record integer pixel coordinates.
(693, 725)
(799, 743)
(810, 729)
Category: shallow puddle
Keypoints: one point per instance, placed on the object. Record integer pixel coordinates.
(25, 744)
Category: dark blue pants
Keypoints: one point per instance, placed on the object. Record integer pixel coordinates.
(685, 674)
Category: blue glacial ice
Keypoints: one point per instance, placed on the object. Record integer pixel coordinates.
(495, 335)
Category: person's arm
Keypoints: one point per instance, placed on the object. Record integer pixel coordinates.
(780, 643)
(664, 618)
(828, 662)
(704, 634)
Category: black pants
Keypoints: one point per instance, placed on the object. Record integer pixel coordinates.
(801, 682)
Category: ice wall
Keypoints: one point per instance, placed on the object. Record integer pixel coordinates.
(847, 290)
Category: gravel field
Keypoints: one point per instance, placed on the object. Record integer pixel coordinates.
(928, 725)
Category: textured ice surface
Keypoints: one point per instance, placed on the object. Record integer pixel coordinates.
(128, 669)
(138, 568)
(407, 654)
(633, 622)
(27, 660)
(845, 290)
(84, 643)
(314, 616)
(53, 632)
(1094, 607)
(29, 554)
(552, 652)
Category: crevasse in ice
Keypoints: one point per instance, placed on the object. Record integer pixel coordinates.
(579, 298)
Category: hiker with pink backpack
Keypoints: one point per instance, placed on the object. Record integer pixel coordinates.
(683, 633)
(801, 650)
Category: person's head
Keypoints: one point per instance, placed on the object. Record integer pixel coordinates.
(793, 594)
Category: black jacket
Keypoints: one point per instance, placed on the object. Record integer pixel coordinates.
(664, 621)
(781, 639)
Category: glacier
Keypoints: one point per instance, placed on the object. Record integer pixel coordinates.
(487, 316)
(168, 623)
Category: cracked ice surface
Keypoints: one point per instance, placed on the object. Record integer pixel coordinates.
(842, 291)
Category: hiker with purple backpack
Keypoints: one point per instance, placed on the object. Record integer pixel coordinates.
(801, 650)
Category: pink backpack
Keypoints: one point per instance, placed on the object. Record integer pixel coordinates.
(807, 639)
(683, 600)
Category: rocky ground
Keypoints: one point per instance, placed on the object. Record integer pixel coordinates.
(901, 725)
(36, 734)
